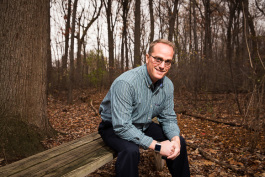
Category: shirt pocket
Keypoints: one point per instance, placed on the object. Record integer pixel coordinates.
(157, 108)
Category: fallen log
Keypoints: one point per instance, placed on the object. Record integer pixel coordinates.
(219, 122)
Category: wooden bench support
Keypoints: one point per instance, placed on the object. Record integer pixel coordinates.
(76, 158)
(159, 162)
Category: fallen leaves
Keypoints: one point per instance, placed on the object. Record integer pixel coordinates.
(212, 147)
(75, 120)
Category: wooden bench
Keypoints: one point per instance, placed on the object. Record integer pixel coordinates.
(76, 158)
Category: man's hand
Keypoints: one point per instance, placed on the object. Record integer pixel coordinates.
(176, 141)
(167, 148)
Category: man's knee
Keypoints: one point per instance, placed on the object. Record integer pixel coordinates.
(130, 156)
(131, 151)
(182, 141)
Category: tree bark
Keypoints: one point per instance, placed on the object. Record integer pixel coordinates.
(172, 19)
(24, 50)
(24, 53)
(50, 79)
(125, 6)
(152, 21)
(196, 53)
(72, 69)
(208, 34)
(108, 8)
(66, 47)
(137, 34)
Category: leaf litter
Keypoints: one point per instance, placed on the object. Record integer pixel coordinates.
(213, 149)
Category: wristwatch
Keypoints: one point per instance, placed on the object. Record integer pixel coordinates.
(158, 147)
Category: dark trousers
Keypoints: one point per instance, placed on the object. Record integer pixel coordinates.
(129, 155)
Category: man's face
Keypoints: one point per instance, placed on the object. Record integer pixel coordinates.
(155, 70)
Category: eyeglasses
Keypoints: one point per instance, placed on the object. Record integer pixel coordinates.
(158, 61)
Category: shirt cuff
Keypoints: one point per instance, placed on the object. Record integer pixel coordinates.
(170, 135)
(146, 141)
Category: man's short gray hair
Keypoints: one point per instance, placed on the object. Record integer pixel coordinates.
(164, 41)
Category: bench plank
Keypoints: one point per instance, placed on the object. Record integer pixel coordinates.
(98, 161)
(78, 154)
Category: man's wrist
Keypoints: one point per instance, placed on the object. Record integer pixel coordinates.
(175, 138)
(152, 145)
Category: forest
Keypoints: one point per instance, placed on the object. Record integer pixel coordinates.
(59, 58)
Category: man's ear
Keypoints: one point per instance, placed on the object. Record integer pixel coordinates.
(146, 58)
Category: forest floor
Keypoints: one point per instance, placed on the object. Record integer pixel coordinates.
(214, 148)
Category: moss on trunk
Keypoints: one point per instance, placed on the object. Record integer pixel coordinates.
(19, 139)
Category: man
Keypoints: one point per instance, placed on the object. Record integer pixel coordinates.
(134, 98)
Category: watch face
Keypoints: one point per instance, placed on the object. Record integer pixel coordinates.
(157, 147)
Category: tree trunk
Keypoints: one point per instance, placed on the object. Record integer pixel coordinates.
(137, 34)
(229, 56)
(66, 47)
(50, 78)
(85, 65)
(125, 5)
(195, 53)
(110, 40)
(172, 20)
(207, 24)
(71, 80)
(78, 72)
(152, 21)
(23, 76)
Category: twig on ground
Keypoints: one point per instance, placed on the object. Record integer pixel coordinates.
(94, 109)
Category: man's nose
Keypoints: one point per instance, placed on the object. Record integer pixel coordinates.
(162, 65)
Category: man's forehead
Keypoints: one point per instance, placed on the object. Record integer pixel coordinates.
(161, 48)
(162, 45)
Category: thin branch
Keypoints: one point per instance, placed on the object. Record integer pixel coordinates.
(245, 26)
(259, 8)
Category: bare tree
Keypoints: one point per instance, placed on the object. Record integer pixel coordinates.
(108, 7)
(124, 45)
(66, 45)
(172, 19)
(72, 69)
(137, 33)
(81, 39)
(111, 21)
(152, 21)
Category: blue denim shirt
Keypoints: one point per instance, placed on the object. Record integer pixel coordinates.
(133, 101)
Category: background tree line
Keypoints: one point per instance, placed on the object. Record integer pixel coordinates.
(220, 48)
(220, 45)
